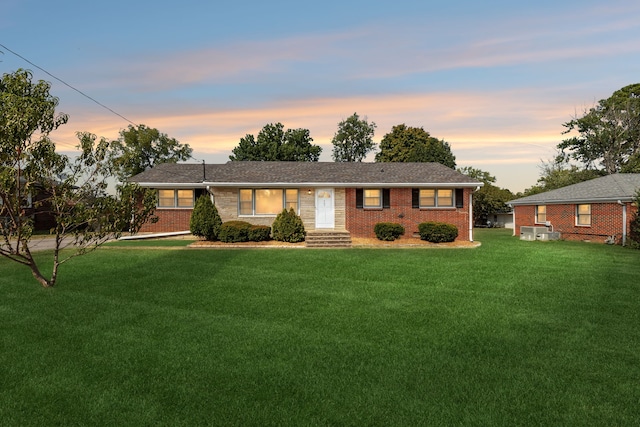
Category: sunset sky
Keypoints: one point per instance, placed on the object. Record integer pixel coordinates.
(495, 79)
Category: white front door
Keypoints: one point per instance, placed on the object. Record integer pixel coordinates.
(325, 211)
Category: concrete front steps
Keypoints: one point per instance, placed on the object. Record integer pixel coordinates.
(328, 239)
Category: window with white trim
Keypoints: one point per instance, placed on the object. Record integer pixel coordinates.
(583, 215)
(436, 198)
(372, 198)
(175, 198)
(541, 214)
(266, 201)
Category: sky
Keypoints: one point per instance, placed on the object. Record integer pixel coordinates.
(495, 79)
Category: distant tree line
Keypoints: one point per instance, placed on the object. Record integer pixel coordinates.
(352, 142)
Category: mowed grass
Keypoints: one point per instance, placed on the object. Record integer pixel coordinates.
(510, 333)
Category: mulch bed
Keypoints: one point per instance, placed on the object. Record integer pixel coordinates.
(356, 242)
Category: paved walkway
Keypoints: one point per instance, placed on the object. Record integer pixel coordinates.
(44, 243)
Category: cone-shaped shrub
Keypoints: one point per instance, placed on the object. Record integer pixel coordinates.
(288, 227)
(205, 220)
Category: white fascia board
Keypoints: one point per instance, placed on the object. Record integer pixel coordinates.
(171, 184)
(345, 185)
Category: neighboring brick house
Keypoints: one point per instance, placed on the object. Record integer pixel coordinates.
(597, 210)
(326, 195)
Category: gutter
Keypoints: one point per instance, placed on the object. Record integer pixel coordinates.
(346, 184)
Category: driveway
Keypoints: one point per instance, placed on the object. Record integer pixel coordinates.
(44, 243)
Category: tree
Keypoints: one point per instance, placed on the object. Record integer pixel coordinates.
(557, 175)
(73, 192)
(140, 148)
(608, 134)
(276, 144)
(353, 140)
(410, 144)
(489, 199)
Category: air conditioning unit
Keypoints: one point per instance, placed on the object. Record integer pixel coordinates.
(550, 235)
(530, 233)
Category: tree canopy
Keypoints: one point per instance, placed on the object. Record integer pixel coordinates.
(275, 144)
(489, 199)
(557, 175)
(608, 133)
(140, 148)
(353, 140)
(33, 176)
(411, 144)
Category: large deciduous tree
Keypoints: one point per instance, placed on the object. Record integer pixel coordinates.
(140, 148)
(275, 144)
(555, 175)
(608, 133)
(353, 140)
(33, 176)
(489, 199)
(411, 144)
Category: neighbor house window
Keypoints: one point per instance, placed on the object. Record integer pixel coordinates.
(175, 198)
(266, 201)
(541, 214)
(583, 215)
(435, 198)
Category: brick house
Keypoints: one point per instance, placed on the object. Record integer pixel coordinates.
(597, 210)
(326, 195)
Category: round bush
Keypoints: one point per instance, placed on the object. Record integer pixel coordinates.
(288, 227)
(437, 232)
(259, 233)
(234, 231)
(388, 231)
(205, 220)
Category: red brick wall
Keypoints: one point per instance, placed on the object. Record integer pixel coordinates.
(360, 222)
(606, 220)
(169, 220)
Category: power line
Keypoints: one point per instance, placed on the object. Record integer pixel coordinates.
(68, 85)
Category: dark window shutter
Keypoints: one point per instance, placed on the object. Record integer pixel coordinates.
(459, 197)
(359, 198)
(386, 198)
(415, 198)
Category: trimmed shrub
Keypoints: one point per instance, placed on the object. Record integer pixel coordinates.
(259, 233)
(437, 232)
(205, 220)
(288, 227)
(388, 231)
(234, 231)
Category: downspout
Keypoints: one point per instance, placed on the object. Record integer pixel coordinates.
(624, 223)
(513, 219)
(471, 214)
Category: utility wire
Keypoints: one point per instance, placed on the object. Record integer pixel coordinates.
(68, 85)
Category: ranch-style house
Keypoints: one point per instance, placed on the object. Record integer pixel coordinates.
(598, 210)
(350, 197)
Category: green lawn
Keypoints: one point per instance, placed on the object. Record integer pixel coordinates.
(510, 333)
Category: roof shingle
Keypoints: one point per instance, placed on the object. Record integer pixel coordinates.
(319, 173)
(622, 186)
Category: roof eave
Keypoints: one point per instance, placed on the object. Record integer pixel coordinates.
(346, 184)
(625, 199)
